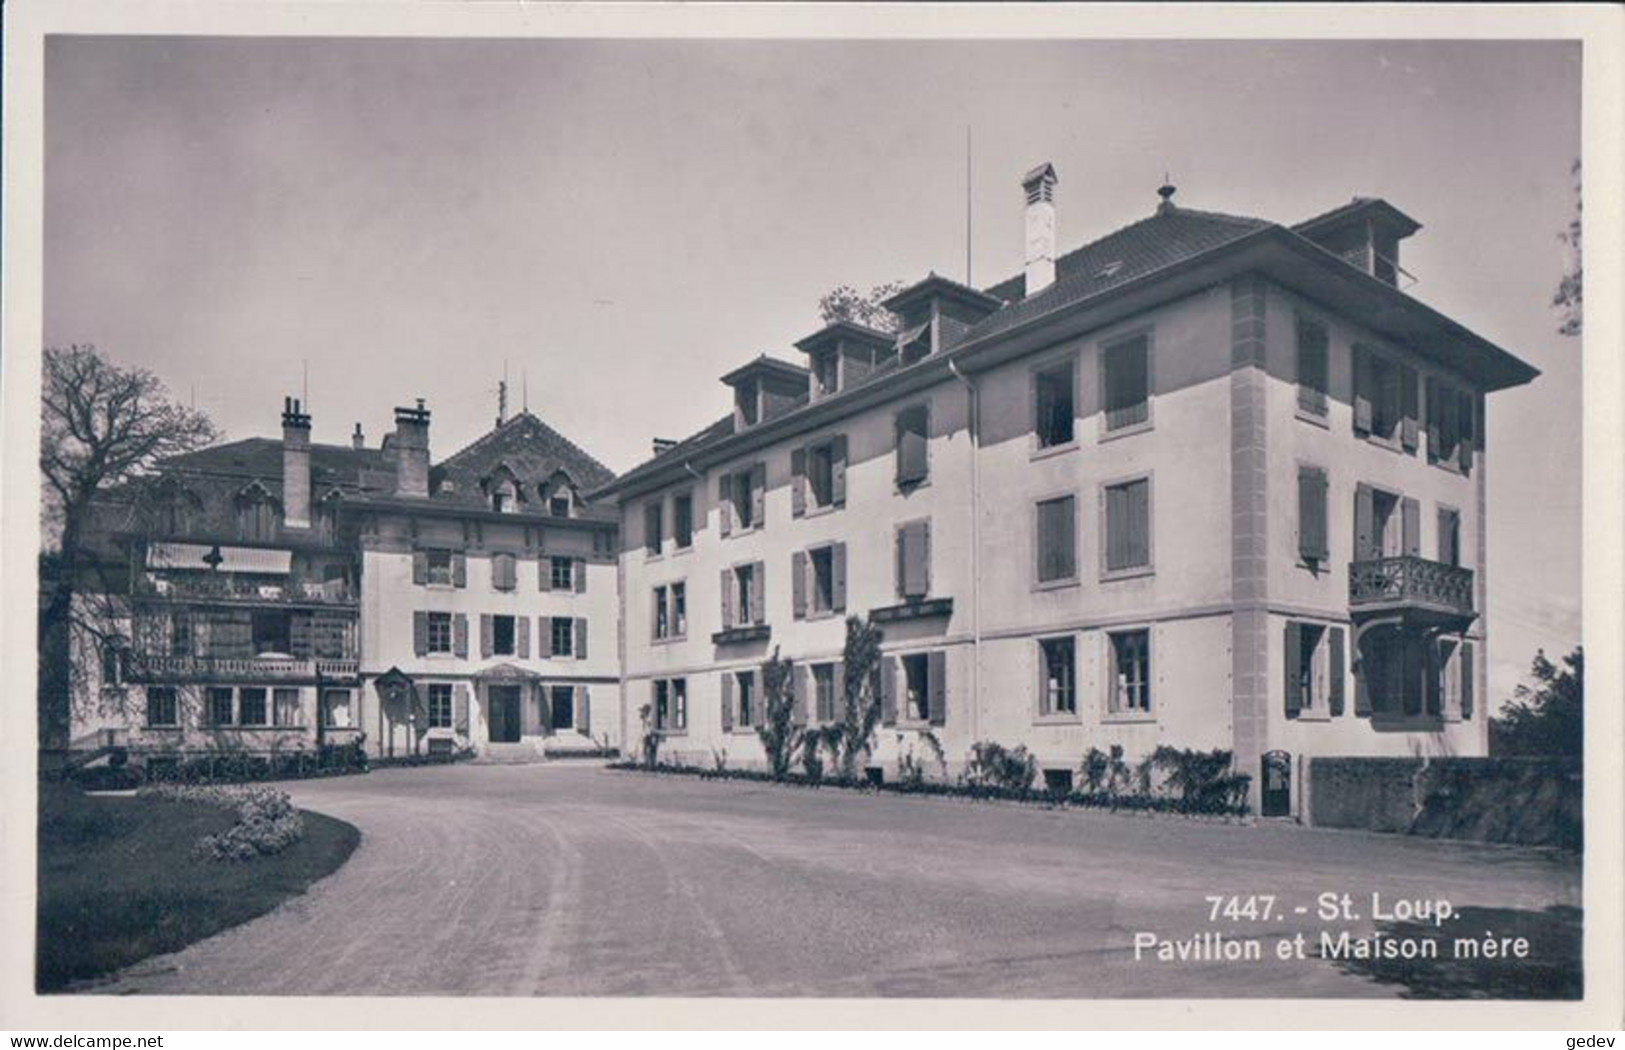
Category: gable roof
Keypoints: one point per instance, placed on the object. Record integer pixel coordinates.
(528, 447)
(260, 458)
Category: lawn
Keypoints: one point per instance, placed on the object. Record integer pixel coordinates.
(118, 880)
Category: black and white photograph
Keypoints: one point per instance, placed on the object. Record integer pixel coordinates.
(546, 510)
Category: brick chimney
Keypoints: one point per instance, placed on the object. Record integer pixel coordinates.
(1039, 187)
(295, 465)
(358, 440)
(412, 451)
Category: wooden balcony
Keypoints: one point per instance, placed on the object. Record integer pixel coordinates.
(225, 590)
(1412, 590)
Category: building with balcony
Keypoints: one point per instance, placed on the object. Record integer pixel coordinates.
(267, 596)
(1208, 481)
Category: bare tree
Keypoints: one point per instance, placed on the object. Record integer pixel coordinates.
(102, 426)
(1568, 297)
(846, 303)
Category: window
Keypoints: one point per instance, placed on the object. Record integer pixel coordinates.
(652, 527)
(251, 706)
(917, 687)
(559, 506)
(826, 373)
(915, 343)
(504, 636)
(256, 517)
(823, 579)
(336, 709)
(504, 496)
(180, 633)
(561, 573)
(438, 565)
(1126, 380)
(662, 615)
(1392, 672)
(1313, 366)
(823, 677)
(821, 474)
(1058, 658)
(682, 520)
(439, 632)
(745, 690)
(913, 439)
(504, 572)
(1314, 670)
(1130, 681)
(743, 498)
(285, 707)
(746, 409)
(1054, 410)
(1128, 526)
(1313, 545)
(112, 663)
(746, 603)
(163, 710)
(220, 706)
(679, 610)
(1384, 398)
(1386, 525)
(440, 716)
(671, 705)
(563, 629)
(914, 560)
(271, 632)
(1056, 541)
(562, 706)
(1449, 537)
(1450, 425)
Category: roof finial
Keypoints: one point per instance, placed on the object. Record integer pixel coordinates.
(1166, 192)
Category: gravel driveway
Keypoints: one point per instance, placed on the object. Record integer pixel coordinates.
(572, 880)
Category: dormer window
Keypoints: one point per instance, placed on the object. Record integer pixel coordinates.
(915, 343)
(503, 490)
(559, 506)
(559, 492)
(256, 514)
(826, 374)
(747, 407)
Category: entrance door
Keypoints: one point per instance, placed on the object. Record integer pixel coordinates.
(503, 700)
(563, 699)
(1276, 800)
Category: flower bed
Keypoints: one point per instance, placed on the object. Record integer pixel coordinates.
(1133, 801)
(267, 822)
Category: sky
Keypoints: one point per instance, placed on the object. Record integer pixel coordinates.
(615, 224)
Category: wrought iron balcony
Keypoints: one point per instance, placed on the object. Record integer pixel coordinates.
(1411, 586)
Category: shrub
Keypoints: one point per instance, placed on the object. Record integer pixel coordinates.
(266, 823)
(777, 730)
(992, 765)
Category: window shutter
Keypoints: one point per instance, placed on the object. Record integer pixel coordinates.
(544, 637)
(925, 555)
(1469, 433)
(485, 635)
(837, 561)
(725, 507)
(1365, 525)
(509, 567)
(1362, 391)
(1407, 408)
(1139, 522)
(1312, 545)
(888, 690)
(420, 633)
(544, 573)
(798, 482)
(521, 637)
(798, 695)
(1434, 419)
(1294, 669)
(913, 426)
(937, 688)
(1464, 654)
(1362, 689)
(798, 585)
(1411, 514)
(727, 701)
(1335, 659)
(459, 635)
(727, 598)
(758, 593)
(420, 567)
(1446, 530)
(758, 495)
(459, 709)
(459, 569)
(581, 638)
(914, 536)
(899, 560)
(837, 690)
(837, 470)
(578, 575)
